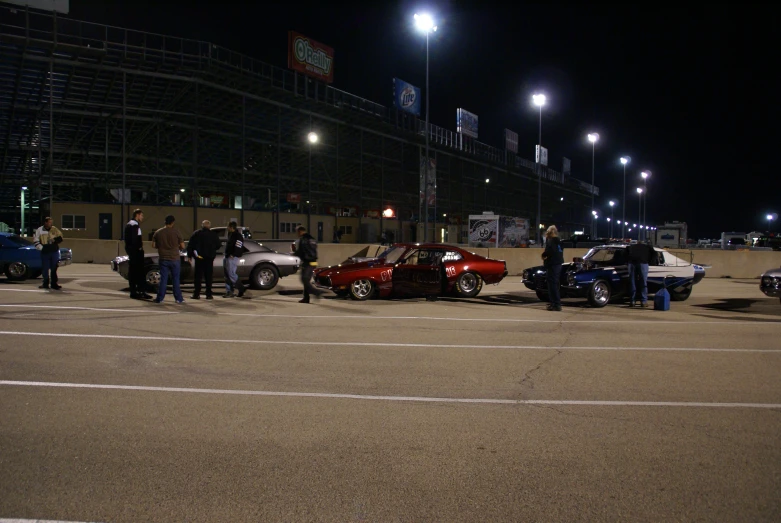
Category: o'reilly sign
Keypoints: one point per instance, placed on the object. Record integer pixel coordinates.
(310, 57)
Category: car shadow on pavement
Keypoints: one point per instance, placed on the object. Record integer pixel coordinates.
(744, 306)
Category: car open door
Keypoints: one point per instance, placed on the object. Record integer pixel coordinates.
(419, 273)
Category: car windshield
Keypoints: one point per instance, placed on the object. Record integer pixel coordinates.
(393, 254)
(18, 240)
(606, 255)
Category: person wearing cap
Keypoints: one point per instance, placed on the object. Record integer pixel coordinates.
(169, 241)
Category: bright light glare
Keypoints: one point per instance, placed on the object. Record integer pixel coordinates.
(487, 180)
(181, 190)
(625, 160)
(312, 137)
(538, 99)
(612, 203)
(425, 23)
(608, 219)
(594, 213)
(639, 190)
(562, 198)
(645, 174)
(25, 188)
(593, 137)
(388, 213)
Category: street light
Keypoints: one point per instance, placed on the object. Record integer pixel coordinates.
(612, 203)
(487, 181)
(624, 160)
(645, 174)
(425, 23)
(593, 138)
(770, 217)
(312, 138)
(539, 101)
(639, 210)
(24, 188)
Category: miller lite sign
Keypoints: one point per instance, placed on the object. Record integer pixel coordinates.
(406, 97)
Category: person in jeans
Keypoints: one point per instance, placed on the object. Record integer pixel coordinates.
(234, 248)
(169, 241)
(47, 240)
(202, 248)
(553, 259)
(640, 255)
(134, 247)
(306, 249)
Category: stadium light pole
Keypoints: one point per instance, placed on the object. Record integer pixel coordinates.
(21, 232)
(312, 139)
(425, 24)
(539, 101)
(593, 138)
(645, 174)
(624, 160)
(612, 203)
(639, 210)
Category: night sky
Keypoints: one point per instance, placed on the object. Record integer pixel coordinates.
(688, 92)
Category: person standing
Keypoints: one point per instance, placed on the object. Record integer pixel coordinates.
(202, 248)
(134, 247)
(553, 258)
(47, 240)
(234, 249)
(306, 249)
(640, 255)
(168, 241)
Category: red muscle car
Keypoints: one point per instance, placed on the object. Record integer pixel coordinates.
(413, 270)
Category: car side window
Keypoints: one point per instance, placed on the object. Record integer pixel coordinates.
(659, 258)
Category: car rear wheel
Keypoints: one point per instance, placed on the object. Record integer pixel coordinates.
(362, 289)
(543, 296)
(17, 271)
(264, 277)
(468, 285)
(680, 296)
(599, 294)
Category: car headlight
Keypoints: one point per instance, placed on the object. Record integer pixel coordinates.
(571, 279)
(525, 275)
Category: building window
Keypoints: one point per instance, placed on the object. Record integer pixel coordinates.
(288, 227)
(346, 229)
(73, 221)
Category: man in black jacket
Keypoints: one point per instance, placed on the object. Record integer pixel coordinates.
(202, 248)
(553, 258)
(234, 248)
(640, 255)
(134, 247)
(306, 249)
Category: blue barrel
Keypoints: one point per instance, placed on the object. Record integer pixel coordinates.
(662, 300)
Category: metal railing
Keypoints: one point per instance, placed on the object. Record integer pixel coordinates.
(100, 38)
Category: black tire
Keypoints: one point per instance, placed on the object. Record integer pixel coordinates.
(17, 271)
(680, 296)
(264, 277)
(362, 289)
(599, 294)
(152, 277)
(543, 296)
(468, 285)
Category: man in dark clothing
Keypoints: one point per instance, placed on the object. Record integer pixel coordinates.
(134, 247)
(306, 249)
(47, 241)
(202, 248)
(234, 248)
(640, 255)
(553, 259)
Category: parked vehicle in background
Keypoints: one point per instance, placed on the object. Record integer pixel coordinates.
(20, 260)
(770, 283)
(260, 265)
(222, 232)
(602, 275)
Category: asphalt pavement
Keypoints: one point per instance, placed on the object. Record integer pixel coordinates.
(484, 409)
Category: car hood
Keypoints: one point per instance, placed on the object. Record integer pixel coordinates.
(775, 273)
(350, 267)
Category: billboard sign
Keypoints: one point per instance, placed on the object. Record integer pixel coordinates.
(483, 230)
(466, 123)
(511, 141)
(428, 185)
(406, 97)
(293, 197)
(513, 232)
(310, 57)
(541, 155)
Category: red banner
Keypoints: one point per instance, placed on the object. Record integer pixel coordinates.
(310, 57)
(294, 197)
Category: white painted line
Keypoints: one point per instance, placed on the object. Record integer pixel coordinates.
(418, 399)
(69, 307)
(5, 520)
(221, 342)
(67, 290)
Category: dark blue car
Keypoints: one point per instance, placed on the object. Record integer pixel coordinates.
(20, 260)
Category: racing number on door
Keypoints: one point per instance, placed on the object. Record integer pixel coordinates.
(450, 270)
(386, 275)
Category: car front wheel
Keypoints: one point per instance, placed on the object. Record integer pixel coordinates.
(543, 296)
(599, 294)
(152, 277)
(362, 289)
(17, 271)
(680, 296)
(468, 285)
(264, 277)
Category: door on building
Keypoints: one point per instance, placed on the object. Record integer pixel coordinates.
(105, 226)
(319, 232)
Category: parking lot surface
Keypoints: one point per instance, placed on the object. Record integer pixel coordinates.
(484, 409)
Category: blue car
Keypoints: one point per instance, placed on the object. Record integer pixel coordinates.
(20, 260)
(602, 275)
